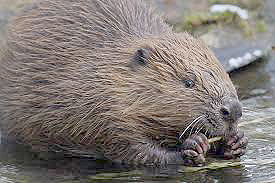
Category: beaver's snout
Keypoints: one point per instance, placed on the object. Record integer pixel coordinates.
(231, 110)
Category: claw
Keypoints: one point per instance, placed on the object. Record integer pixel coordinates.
(236, 146)
(242, 143)
(194, 149)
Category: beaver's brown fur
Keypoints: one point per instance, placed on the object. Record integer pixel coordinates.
(110, 76)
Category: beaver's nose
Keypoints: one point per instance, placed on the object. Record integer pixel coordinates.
(231, 110)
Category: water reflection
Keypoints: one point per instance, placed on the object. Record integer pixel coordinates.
(225, 175)
(252, 80)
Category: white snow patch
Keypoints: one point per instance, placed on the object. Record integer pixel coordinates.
(235, 62)
(247, 56)
(258, 53)
(221, 8)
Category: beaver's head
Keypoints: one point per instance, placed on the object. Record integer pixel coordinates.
(177, 85)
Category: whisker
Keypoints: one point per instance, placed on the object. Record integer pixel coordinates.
(194, 121)
(198, 131)
(198, 122)
(249, 109)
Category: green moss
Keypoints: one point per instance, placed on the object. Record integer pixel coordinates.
(196, 21)
(261, 26)
(192, 22)
(248, 31)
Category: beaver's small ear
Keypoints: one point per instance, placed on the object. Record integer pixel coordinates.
(140, 58)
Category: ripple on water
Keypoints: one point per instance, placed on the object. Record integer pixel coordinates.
(258, 123)
(7, 173)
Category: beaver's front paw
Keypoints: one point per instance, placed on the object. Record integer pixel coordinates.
(235, 146)
(194, 150)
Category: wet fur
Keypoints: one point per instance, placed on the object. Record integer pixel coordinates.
(69, 76)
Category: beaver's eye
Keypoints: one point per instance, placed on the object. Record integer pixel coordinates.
(189, 83)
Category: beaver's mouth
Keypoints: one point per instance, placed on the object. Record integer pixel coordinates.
(207, 126)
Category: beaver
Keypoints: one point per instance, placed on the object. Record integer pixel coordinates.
(111, 78)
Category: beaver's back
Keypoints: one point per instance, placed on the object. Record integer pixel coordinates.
(93, 21)
(55, 65)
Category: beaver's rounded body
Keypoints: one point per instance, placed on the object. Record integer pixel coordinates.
(110, 76)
